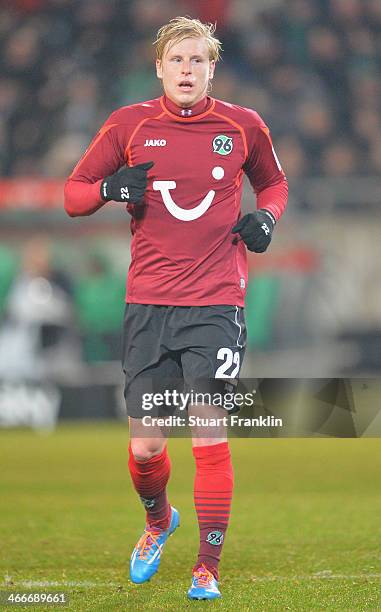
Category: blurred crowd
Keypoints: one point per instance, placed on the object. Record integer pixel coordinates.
(311, 68)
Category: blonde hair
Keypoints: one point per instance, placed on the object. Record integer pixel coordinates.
(185, 27)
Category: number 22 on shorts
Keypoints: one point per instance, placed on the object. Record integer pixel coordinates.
(228, 358)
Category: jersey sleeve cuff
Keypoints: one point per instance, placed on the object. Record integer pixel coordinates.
(96, 191)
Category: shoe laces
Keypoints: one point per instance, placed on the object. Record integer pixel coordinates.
(203, 576)
(146, 542)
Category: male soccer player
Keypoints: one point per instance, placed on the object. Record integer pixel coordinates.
(178, 163)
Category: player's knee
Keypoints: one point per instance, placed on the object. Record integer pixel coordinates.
(143, 450)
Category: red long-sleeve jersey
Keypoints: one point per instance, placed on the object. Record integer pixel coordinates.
(183, 252)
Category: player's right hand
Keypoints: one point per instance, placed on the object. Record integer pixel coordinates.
(127, 185)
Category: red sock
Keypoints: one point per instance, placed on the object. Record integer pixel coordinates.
(213, 489)
(150, 479)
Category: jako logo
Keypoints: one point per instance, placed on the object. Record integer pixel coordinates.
(155, 143)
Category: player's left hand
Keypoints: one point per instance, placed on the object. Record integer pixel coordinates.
(256, 230)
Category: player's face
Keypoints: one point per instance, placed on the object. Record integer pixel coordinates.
(185, 70)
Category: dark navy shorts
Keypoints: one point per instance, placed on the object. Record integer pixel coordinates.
(168, 347)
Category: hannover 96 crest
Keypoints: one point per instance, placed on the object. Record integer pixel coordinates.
(215, 537)
(223, 145)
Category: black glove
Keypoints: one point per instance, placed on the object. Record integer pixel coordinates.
(256, 229)
(127, 185)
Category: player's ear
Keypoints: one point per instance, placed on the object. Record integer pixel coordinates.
(212, 66)
(159, 69)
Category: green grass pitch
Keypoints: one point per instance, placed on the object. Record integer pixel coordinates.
(304, 534)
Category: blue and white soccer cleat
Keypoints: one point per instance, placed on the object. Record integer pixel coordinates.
(146, 556)
(204, 585)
